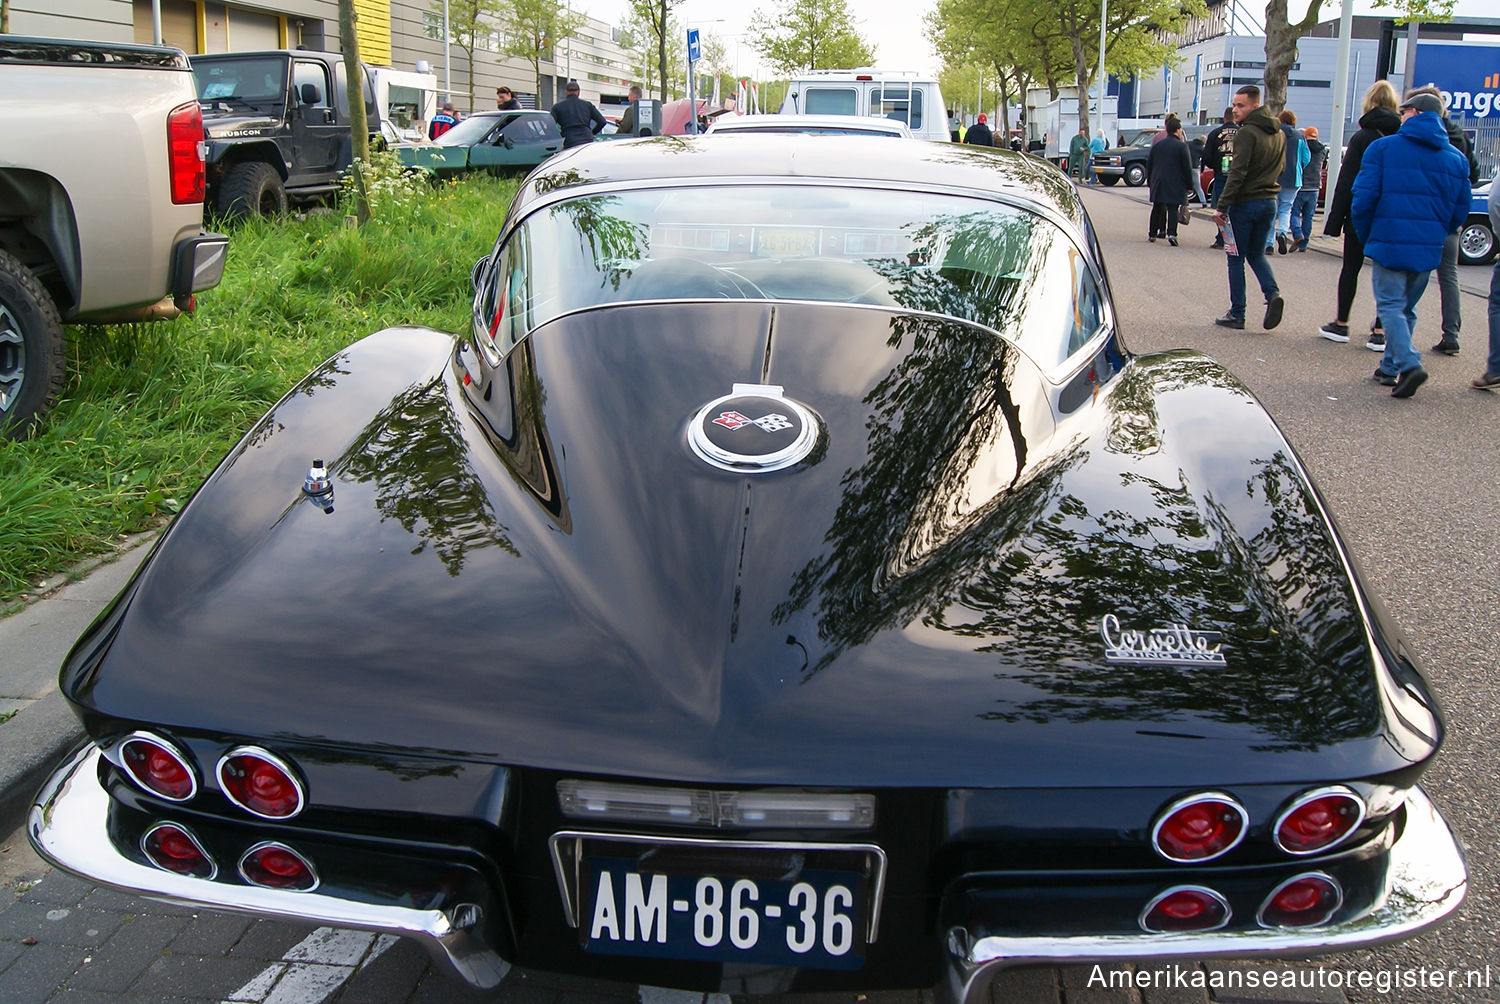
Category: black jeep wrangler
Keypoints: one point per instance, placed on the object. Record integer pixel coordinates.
(277, 127)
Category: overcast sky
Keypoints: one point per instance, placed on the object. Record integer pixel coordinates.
(895, 27)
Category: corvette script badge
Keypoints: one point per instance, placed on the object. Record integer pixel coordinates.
(1173, 645)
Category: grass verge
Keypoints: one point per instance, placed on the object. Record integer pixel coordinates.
(150, 408)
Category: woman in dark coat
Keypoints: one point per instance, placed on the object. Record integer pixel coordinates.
(1169, 173)
(1379, 118)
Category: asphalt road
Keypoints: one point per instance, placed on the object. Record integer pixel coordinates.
(1412, 483)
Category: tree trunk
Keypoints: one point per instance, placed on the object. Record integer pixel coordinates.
(1004, 104)
(354, 93)
(1081, 66)
(1281, 48)
(661, 48)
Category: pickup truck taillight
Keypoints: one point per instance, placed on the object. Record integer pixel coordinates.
(185, 153)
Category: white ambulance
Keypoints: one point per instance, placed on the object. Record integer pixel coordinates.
(902, 96)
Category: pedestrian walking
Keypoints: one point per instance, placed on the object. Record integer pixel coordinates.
(1248, 204)
(1290, 179)
(1097, 145)
(1169, 175)
(979, 133)
(1447, 270)
(1306, 203)
(1490, 378)
(1217, 151)
(578, 120)
(1377, 118)
(1411, 192)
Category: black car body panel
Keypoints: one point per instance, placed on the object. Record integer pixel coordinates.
(1016, 609)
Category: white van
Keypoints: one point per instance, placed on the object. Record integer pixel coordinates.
(867, 91)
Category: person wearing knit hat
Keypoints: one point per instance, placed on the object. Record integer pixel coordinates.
(1306, 202)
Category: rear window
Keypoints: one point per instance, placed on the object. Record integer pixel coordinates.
(994, 264)
(829, 101)
(893, 103)
(255, 81)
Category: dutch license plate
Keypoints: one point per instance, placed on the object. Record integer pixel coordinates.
(817, 921)
(788, 242)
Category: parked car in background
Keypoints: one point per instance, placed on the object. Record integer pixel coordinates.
(1476, 239)
(789, 567)
(487, 141)
(101, 203)
(823, 125)
(1129, 161)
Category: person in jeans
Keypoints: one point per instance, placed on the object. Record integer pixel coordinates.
(1248, 203)
(1290, 179)
(1377, 118)
(1217, 149)
(1412, 191)
(1490, 378)
(1306, 202)
(1448, 268)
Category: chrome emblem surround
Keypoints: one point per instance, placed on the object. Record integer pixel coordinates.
(758, 410)
(1173, 645)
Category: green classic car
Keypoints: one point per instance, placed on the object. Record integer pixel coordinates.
(487, 141)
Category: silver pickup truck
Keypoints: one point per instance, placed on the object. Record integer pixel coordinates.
(101, 202)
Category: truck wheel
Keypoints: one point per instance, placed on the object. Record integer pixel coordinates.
(1476, 242)
(31, 349)
(251, 189)
(1135, 175)
(1108, 179)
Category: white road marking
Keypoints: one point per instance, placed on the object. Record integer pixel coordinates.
(314, 968)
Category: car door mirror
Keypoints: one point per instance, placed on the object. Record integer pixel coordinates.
(477, 275)
(310, 94)
(506, 141)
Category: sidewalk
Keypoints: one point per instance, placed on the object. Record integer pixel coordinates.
(35, 637)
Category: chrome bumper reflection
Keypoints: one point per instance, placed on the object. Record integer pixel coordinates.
(1425, 881)
(68, 827)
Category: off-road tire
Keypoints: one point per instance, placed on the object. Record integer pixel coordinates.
(250, 188)
(33, 354)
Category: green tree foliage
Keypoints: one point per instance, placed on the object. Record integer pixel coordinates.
(1282, 36)
(800, 35)
(655, 20)
(469, 21)
(532, 32)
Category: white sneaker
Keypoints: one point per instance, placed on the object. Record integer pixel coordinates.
(1335, 332)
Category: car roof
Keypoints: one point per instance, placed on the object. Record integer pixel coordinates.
(791, 123)
(750, 156)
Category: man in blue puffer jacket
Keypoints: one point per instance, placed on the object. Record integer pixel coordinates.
(1411, 192)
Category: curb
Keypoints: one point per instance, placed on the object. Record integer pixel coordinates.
(34, 742)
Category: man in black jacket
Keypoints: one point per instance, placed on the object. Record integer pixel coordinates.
(1248, 205)
(578, 119)
(1217, 151)
(979, 133)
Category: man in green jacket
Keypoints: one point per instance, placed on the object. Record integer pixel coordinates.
(1248, 204)
(1078, 154)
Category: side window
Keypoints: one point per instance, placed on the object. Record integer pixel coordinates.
(1088, 304)
(891, 103)
(502, 307)
(306, 72)
(829, 101)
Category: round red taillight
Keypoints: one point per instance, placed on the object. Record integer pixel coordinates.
(277, 866)
(1303, 901)
(159, 767)
(1185, 908)
(173, 848)
(1199, 827)
(260, 783)
(1316, 820)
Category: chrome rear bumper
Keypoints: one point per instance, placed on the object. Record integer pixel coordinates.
(1424, 880)
(69, 827)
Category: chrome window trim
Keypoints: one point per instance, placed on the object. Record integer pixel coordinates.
(213, 866)
(267, 755)
(1310, 796)
(1338, 888)
(1214, 894)
(115, 754)
(1184, 802)
(240, 867)
(569, 879)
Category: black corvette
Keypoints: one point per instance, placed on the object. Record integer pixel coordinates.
(792, 568)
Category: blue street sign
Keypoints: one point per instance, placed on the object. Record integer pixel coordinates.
(695, 53)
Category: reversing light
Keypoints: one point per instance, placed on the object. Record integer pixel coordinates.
(261, 783)
(276, 866)
(1302, 901)
(173, 848)
(1185, 908)
(633, 803)
(1316, 820)
(158, 766)
(1199, 827)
